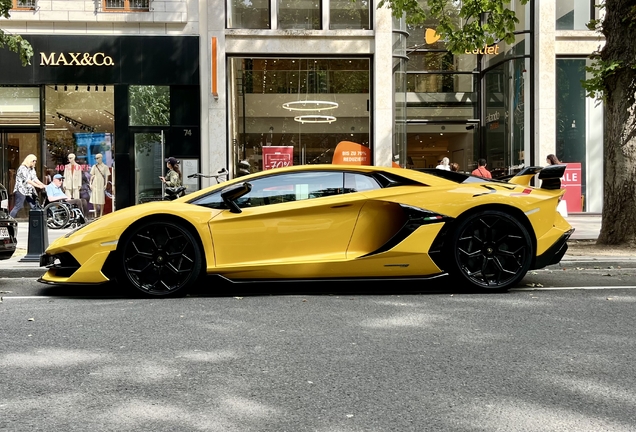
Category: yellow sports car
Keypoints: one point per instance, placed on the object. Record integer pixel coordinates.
(329, 222)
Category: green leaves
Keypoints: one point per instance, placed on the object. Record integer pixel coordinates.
(5, 5)
(14, 43)
(464, 25)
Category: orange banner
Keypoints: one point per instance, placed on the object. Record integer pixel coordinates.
(350, 153)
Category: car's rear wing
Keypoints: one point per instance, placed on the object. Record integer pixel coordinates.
(550, 176)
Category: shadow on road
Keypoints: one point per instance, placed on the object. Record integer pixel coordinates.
(215, 287)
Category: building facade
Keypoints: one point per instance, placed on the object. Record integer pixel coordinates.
(406, 98)
(117, 78)
(330, 81)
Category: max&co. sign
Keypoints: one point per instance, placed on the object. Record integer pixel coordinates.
(75, 59)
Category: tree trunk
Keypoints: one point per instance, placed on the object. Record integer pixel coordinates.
(619, 195)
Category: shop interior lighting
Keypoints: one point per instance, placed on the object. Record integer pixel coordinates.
(75, 123)
(314, 118)
(310, 105)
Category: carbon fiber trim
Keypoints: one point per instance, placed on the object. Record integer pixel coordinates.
(416, 217)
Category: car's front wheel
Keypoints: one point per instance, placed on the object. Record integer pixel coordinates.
(160, 259)
(490, 250)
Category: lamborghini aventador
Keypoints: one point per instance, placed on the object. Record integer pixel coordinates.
(327, 222)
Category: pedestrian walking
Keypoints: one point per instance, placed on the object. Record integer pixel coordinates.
(26, 183)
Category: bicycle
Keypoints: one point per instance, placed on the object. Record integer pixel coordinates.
(222, 173)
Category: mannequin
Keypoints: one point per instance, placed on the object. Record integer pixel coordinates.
(72, 177)
(99, 180)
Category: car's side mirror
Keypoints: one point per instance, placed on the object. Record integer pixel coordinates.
(234, 192)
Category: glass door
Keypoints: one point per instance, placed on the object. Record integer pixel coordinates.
(15, 145)
(429, 143)
(149, 166)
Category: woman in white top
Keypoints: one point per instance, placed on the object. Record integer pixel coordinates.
(444, 164)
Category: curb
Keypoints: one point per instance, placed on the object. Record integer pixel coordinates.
(34, 272)
(595, 263)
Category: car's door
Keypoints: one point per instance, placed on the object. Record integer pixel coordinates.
(292, 217)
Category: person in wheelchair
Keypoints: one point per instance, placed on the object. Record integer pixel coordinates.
(55, 194)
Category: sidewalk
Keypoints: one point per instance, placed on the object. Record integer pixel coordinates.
(587, 227)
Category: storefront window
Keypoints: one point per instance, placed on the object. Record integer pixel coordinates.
(299, 14)
(573, 14)
(505, 118)
(149, 105)
(347, 14)
(248, 14)
(19, 106)
(80, 125)
(400, 64)
(296, 111)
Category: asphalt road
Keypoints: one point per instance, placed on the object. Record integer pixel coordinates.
(326, 358)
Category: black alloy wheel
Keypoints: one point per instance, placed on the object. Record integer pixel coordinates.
(491, 250)
(161, 259)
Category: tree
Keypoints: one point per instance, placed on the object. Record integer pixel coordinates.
(463, 25)
(14, 42)
(614, 82)
(474, 23)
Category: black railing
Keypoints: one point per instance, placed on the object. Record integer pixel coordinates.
(25, 4)
(123, 5)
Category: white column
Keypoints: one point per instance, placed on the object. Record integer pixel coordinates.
(382, 109)
(214, 140)
(544, 81)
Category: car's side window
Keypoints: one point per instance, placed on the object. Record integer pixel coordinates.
(356, 182)
(212, 200)
(298, 186)
(292, 187)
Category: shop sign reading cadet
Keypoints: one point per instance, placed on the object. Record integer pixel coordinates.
(75, 59)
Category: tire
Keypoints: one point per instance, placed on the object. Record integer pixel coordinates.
(57, 215)
(160, 259)
(490, 250)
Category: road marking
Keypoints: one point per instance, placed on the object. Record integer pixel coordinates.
(62, 297)
(574, 288)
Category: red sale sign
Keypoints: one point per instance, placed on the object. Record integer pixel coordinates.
(571, 181)
(277, 156)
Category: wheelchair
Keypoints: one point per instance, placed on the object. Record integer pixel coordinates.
(60, 214)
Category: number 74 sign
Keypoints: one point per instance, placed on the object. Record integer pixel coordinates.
(277, 156)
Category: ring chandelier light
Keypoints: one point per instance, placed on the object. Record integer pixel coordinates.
(314, 118)
(310, 105)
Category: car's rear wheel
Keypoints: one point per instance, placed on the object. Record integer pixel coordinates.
(160, 259)
(490, 250)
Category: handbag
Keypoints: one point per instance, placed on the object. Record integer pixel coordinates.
(107, 193)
